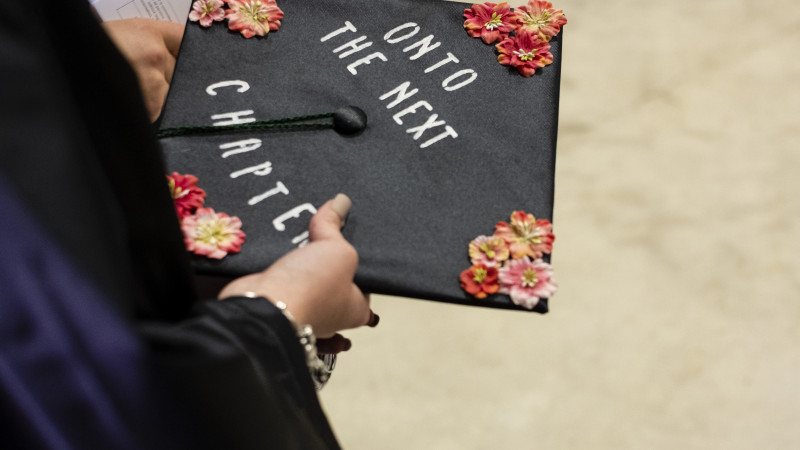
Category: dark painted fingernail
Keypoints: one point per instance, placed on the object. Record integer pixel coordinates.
(373, 320)
(347, 345)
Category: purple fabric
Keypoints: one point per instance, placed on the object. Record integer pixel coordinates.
(67, 360)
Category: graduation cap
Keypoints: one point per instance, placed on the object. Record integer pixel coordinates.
(389, 101)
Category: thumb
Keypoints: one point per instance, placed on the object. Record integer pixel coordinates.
(327, 222)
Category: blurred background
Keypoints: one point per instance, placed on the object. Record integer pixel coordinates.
(677, 322)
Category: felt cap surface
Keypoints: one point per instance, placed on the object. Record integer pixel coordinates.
(454, 141)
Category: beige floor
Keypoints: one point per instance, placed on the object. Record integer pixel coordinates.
(678, 254)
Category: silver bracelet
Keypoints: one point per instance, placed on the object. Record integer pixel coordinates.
(320, 366)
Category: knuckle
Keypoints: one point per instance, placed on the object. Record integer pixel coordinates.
(154, 55)
(349, 253)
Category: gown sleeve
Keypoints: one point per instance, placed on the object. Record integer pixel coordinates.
(240, 362)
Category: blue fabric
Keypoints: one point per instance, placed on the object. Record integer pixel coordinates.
(67, 360)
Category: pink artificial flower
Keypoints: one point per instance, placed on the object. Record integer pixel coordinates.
(526, 236)
(490, 22)
(185, 193)
(212, 234)
(526, 51)
(479, 281)
(253, 17)
(541, 18)
(207, 11)
(527, 281)
(490, 251)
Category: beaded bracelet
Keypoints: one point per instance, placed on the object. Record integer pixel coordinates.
(320, 366)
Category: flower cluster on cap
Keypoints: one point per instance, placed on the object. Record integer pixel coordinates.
(205, 232)
(249, 17)
(510, 261)
(524, 33)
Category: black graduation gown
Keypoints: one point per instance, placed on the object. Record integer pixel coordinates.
(102, 341)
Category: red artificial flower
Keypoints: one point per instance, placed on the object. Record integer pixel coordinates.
(490, 22)
(541, 18)
(212, 234)
(526, 51)
(207, 11)
(479, 281)
(253, 17)
(185, 193)
(526, 236)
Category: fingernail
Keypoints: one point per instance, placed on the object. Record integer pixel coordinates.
(341, 205)
(373, 320)
(347, 345)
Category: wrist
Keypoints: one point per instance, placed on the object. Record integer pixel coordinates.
(319, 366)
(271, 289)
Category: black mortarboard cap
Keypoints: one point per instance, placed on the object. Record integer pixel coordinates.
(454, 141)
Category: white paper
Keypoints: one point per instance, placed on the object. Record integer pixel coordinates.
(171, 10)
